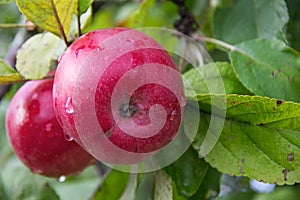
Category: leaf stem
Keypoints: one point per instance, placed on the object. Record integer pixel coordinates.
(15, 26)
(60, 26)
(214, 41)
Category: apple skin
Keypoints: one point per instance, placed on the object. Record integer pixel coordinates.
(36, 136)
(140, 51)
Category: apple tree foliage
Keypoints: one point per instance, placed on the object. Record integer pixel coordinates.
(255, 44)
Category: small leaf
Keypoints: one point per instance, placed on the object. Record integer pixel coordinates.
(2, 190)
(34, 57)
(113, 186)
(210, 75)
(210, 186)
(268, 68)
(293, 28)
(244, 20)
(6, 1)
(20, 183)
(260, 138)
(41, 13)
(163, 186)
(138, 18)
(7, 74)
(188, 172)
(145, 186)
(84, 5)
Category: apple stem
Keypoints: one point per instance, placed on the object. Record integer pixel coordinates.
(127, 110)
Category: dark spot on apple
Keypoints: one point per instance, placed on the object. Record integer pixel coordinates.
(278, 102)
(127, 110)
(290, 157)
(108, 133)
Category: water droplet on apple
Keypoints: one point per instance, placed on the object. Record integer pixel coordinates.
(173, 115)
(50, 130)
(129, 40)
(61, 179)
(68, 137)
(101, 48)
(69, 107)
(139, 43)
(182, 101)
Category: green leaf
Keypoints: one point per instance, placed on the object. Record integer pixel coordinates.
(188, 172)
(210, 74)
(108, 190)
(244, 20)
(268, 68)
(6, 1)
(139, 17)
(2, 190)
(20, 183)
(35, 55)
(290, 193)
(260, 138)
(84, 5)
(145, 186)
(41, 13)
(8, 74)
(238, 196)
(163, 186)
(210, 186)
(293, 27)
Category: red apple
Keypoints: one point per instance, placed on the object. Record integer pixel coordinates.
(36, 136)
(119, 94)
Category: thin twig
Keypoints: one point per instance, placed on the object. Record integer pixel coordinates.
(60, 26)
(214, 41)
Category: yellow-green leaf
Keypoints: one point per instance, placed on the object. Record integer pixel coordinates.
(7, 74)
(6, 1)
(42, 13)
